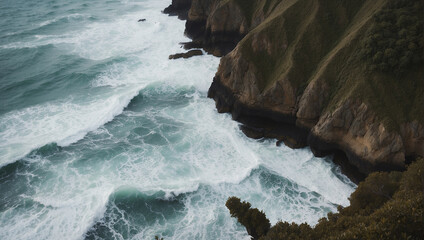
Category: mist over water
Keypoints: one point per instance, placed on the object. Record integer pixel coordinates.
(103, 137)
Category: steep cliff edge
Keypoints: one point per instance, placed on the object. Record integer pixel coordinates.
(218, 25)
(178, 8)
(309, 65)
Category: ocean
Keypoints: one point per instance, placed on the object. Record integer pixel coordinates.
(103, 137)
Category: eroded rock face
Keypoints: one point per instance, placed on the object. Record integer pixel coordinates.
(215, 26)
(241, 77)
(301, 95)
(353, 128)
(218, 26)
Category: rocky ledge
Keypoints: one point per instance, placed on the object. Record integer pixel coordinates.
(188, 54)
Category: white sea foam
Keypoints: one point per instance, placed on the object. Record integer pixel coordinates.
(122, 37)
(63, 208)
(209, 161)
(65, 121)
(188, 150)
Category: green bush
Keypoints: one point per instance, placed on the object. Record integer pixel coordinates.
(378, 187)
(384, 206)
(395, 41)
(285, 230)
(254, 220)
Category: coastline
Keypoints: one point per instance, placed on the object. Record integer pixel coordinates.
(259, 123)
(381, 153)
(256, 123)
(300, 122)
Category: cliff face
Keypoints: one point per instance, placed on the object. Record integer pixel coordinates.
(178, 8)
(218, 25)
(212, 25)
(300, 64)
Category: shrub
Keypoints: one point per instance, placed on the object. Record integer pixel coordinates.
(254, 220)
(384, 206)
(398, 34)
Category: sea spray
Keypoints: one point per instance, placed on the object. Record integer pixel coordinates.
(103, 137)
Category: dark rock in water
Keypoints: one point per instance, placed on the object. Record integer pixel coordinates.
(291, 142)
(141, 20)
(186, 55)
(176, 56)
(217, 51)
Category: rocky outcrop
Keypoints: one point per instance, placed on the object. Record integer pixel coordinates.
(178, 8)
(218, 26)
(188, 54)
(296, 76)
(355, 130)
(215, 26)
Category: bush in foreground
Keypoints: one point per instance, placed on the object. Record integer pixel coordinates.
(254, 220)
(384, 206)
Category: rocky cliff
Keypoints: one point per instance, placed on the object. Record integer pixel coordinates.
(339, 76)
(218, 25)
(178, 8)
(302, 64)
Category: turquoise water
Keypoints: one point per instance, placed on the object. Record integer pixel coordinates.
(103, 137)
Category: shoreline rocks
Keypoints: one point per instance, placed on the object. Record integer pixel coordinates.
(188, 54)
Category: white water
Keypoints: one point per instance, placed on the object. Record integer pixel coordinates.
(146, 44)
(144, 125)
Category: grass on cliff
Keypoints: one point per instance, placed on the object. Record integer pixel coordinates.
(249, 7)
(345, 44)
(305, 32)
(279, 26)
(384, 206)
(394, 94)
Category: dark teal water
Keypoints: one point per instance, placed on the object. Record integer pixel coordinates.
(103, 137)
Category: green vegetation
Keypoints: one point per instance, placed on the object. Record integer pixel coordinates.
(254, 220)
(250, 6)
(281, 26)
(384, 206)
(395, 96)
(299, 36)
(334, 42)
(265, 62)
(396, 40)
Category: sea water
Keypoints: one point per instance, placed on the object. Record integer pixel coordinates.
(103, 137)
